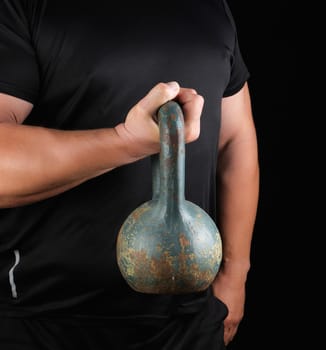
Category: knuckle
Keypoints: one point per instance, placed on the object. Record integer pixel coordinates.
(163, 89)
(200, 99)
(138, 109)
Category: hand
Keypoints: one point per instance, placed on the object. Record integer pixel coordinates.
(140, 132)
(232, 293)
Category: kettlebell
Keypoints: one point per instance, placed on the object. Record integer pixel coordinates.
(169, 245)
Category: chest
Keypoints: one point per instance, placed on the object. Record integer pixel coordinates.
(116, 45)
(96, 61)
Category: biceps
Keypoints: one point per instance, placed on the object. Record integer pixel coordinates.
(13, 109)
(236, 119)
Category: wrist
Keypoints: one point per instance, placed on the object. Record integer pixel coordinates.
(240, 265)
(133, 148)
(236, 270)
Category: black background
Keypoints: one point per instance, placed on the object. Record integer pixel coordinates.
(264, 45)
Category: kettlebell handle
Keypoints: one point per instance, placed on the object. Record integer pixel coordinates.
(168, 167)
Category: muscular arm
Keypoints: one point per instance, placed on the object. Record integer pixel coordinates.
(238, 182)
(37, 163)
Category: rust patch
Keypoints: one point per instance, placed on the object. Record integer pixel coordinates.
(136, 263)
(136, 214)
(182, 260)
(162, 268)
(202, 276)
(184, 242)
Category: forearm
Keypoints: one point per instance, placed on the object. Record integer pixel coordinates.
(37, 163)
(238, 183)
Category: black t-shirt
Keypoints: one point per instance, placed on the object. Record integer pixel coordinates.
(84, 64)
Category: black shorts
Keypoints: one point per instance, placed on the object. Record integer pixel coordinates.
(201, 330)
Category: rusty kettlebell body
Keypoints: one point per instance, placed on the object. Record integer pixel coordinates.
(169, 245)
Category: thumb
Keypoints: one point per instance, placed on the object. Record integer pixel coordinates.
(158, 95)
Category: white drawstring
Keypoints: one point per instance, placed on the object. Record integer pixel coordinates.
(11, 274)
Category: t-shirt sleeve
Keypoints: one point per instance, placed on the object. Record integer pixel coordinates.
(239, 71)
(19, 73)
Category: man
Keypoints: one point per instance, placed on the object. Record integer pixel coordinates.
(80, 83)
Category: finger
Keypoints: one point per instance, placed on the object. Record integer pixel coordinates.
(192, 105)
(227, 336)
(192, 110)
(229, 333)
(158, 95)
(185, 95)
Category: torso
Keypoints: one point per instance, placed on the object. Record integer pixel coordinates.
(95, 62)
